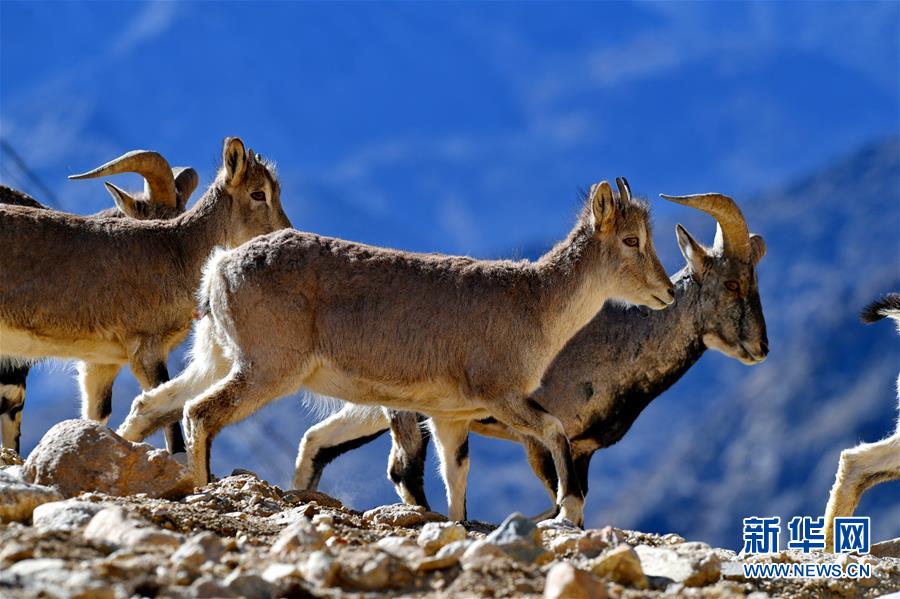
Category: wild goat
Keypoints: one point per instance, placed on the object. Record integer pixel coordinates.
(451, 337)
(165, 195)
(121, 291)
(867, 464)
(607, 374)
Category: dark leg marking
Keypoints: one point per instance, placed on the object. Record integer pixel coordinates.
(582, 468)
(462, 452)
(106, 404)
(327, 454)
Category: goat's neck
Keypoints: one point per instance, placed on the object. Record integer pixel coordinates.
(204, 227)
(574, 284)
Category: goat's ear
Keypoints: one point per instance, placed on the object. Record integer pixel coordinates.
(124, 202)
(694, 253)
(234, 157)
(757, 248)
(603, 207)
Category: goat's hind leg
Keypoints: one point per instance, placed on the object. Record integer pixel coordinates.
(860, 469)
(451, 437)
(348, 428)
(12, 402)
(528, 417)
(96, 383)
(409, 450)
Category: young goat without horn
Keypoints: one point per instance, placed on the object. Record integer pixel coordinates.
(452, 337)
(122, 291)
(607, 374)
(165, 195)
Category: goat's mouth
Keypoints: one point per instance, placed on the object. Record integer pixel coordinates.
(657, 303)
(748, 357)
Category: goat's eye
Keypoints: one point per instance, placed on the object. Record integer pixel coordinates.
(732, 286)
(259, 196)
(631, 242)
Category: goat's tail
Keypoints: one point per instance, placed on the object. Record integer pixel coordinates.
(887, 306)
(210, 272)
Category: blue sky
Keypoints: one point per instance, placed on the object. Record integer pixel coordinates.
(452, 127)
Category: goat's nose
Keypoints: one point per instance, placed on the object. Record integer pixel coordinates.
(764, 347)
(671, 291)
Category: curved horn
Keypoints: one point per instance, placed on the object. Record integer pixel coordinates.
(186, 181)
(624, 190)
(732, 228)
(151, 166)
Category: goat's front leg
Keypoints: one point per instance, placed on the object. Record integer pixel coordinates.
(452, 440)
(96, 383)
(528, 417)
(859, 469)
(349, 428)
(150, 370)
(409, 450)
(12, 402)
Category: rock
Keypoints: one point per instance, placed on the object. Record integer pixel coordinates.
(313, 497)
(113, 527)
(590, 544)
(18, 499)
(558, 524)
(480, 554)
(65, 515)
(321, 569)
(405, 548)
(400, 514)
(693, 564)
(519, 538)
(564, 581)
(435, 535)
(199, 549)
(281, 574)
(611, 535)
(50, 577)
(373, 571)
(886, 548)
(207, 587)
(620, 564)
(82, 455)
(299, 535)
(9, 457)
(250, 586)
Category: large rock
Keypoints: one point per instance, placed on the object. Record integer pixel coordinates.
(400, 514)
(18, 499)
(692, 564)
(65, 515)
(565, 581)
(82, 455)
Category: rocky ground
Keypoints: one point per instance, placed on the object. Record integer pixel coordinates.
(70, 530)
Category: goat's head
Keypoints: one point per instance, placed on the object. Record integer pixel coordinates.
(730, 309)
(166, 190)
(622, 228)
(253, 186)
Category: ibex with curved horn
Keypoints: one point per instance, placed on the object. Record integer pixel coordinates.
(452, 337)
(165, 196)
(608, 373)
(120, 291)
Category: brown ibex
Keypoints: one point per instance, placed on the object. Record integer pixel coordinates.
(165, 195)
(452, 337)
(120, 291)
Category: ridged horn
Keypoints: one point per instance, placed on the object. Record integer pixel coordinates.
(160, 182)
(624, 189)
(186, 181)
(732, 230)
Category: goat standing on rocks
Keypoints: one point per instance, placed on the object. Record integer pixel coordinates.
(165, 195)
(607, 373)
(452, 337)
(122, 291)
(867, 464)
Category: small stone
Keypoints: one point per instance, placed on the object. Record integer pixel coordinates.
(620, 564)
(321, 569)
(312, 497)
(18, 499)
(8, 457)
(65, 515)
(83, 455)
(51, 577)
(277, 574)
(207, 587)
(250, 586)
(199, 549)
(612, 535)
(519, 538)
(401, 514)
(113, 526)
(403, 547)
(558, 524)
(435, 535)
(589, 544)
(564, 581)
(480, 554)
(692, 564)
(373, 571)
(889, 548)
(299, 535)
(243, 472)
